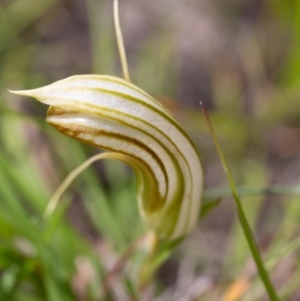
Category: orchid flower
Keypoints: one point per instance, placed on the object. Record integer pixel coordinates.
(117, 116)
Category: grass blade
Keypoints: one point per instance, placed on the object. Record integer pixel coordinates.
(241, 215)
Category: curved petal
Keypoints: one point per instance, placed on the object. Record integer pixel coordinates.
(112, 114)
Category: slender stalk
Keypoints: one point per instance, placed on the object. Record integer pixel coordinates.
(68, 180)
(242, 217)
(120, 41)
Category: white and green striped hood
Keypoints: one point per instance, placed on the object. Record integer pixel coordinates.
(110, 113)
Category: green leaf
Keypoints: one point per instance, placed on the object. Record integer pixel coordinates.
(208, 206)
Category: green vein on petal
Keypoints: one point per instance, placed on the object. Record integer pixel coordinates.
(112, 114)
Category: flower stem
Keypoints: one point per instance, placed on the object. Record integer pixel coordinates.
(120, 41)
(241, 215)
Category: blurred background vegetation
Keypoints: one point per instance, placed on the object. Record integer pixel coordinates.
(240, 58)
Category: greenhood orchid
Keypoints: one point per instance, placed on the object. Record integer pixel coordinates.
(115, 115)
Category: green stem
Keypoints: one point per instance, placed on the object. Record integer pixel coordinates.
(242, 217)
(120, 41)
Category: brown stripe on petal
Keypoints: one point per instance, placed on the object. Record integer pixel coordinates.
(76, 131)
(58, 111)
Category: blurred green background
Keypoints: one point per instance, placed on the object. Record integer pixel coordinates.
(240, 58)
